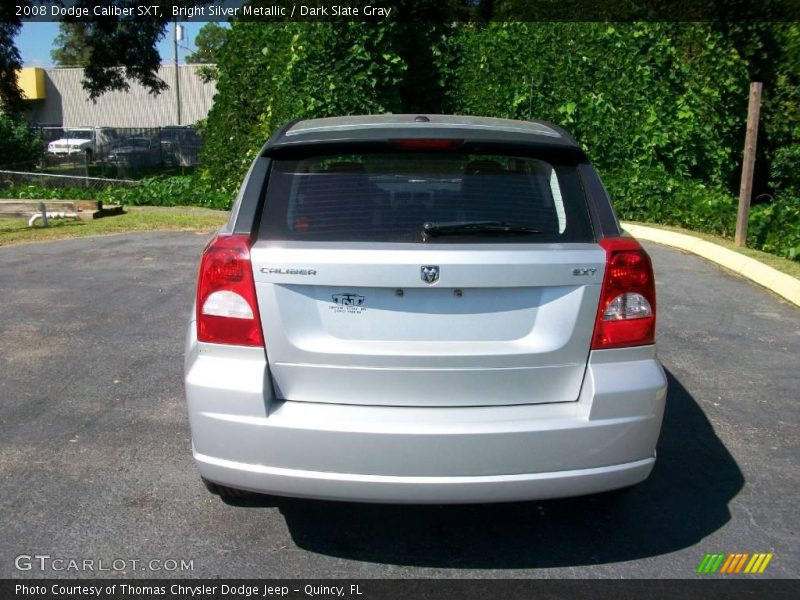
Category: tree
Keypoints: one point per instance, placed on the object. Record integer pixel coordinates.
(71, 46)
(121, 49)
(10, 60)
(208, 42)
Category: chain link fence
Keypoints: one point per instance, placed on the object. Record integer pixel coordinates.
(10, 179)
(97, 156)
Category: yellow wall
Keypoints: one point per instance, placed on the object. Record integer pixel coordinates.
(31, 82)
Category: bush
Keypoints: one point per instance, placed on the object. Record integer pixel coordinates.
(786, 169)
(168, 191)
(152, 191)
(20, 147)
(775, 227)
(35, 192)
(654, 196)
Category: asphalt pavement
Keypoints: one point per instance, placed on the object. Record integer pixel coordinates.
(95, 457)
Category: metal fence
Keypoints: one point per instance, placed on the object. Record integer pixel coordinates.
(112, 152)
(50, 180)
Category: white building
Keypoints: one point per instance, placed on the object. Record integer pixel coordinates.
(56, 98)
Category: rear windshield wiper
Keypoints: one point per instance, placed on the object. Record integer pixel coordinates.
(433, 229)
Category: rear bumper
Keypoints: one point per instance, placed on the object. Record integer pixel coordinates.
(422, 490)
(244, 438)
(67, 151)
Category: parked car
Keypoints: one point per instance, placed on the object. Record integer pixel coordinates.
(180, 146)
(423, 309)
(137, 152)
(91, 141)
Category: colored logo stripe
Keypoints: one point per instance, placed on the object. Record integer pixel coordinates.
(710, 563)
(734, 563)
(758, 563)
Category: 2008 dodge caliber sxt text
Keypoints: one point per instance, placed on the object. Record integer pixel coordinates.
(423, 309)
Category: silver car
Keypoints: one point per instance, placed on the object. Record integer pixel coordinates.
(423, 309)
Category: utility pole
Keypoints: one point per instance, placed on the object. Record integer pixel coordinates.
(748, 164)
(178, 35)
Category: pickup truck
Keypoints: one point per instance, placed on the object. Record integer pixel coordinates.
(92, 141)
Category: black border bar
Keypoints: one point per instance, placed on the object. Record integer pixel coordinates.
(404, 10)
(401, 589)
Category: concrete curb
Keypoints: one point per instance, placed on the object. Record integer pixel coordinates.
(782, 284)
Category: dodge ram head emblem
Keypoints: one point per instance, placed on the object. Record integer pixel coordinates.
(430, 274)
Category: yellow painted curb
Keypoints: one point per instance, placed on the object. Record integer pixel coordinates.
(782, 284)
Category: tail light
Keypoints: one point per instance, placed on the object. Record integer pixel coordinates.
(427, 144)
(227, 311)
(626, 315)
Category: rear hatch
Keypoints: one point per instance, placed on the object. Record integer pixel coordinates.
(441, 279)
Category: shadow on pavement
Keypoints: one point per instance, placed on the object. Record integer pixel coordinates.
(684, 500)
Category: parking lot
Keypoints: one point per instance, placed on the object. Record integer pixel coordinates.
(95, 457)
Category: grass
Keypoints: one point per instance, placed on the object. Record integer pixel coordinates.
(14, 231)
(784, 265)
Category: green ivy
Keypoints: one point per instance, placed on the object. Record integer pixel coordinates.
(269, 74)
(643, 93)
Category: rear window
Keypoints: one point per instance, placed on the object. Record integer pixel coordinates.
(78, 134)
(389, 197)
